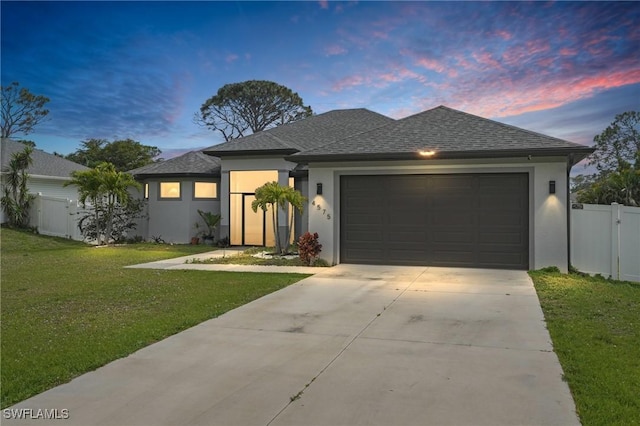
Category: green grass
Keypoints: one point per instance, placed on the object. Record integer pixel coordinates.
(247, 258)
(68, 308)
(595, 327)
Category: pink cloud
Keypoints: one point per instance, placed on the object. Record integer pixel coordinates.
(565, 51)
(430, 64)
(348, 82)
(324, 4)
(334, 50)
(501, 99)
(486, 59)
(505, 35)
(232, 57)
(380, 34)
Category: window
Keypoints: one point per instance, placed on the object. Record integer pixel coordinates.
(205, 190)
(170, 190)
(146, 191)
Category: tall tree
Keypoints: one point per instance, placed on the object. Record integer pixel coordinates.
(617, 159)
(125, 154)
(105, 189)
(238, 109)
(21, 110)
(16, 199)
(618, 145)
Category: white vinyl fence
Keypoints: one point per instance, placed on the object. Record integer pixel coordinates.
(606, 240)
(57, 217)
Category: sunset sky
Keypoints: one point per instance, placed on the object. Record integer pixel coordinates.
(142, 69)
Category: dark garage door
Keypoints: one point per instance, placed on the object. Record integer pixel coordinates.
(469, 220)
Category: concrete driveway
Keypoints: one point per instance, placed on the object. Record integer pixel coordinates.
(352, 345)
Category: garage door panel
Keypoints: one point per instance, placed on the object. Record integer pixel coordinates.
(404, 219)
(452, 257)
(452, 218)
(364, 219)
(474, 220)
(364, 236)
(500, 259)
(500, 238)
(451, 181)
(402, 256)
(359, 204)
(406, 237)
(501, 219)
(364, 255)
(453, 236)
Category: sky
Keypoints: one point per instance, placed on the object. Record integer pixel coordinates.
(141, 70)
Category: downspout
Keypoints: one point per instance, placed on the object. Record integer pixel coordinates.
(569, 165)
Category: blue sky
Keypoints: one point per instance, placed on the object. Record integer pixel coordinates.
(142, 69)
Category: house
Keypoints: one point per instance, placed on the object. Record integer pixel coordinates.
(441, 188)
(47, 174)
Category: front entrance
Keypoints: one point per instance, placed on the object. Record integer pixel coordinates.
(251, 228)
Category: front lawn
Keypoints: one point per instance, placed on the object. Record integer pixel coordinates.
(595, 327)
(69, 308)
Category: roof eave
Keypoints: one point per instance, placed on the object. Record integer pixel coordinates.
(244, 152)
(141, 176)
(577, 154)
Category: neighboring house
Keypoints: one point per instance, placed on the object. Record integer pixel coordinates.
(441, 188)
(47, 174)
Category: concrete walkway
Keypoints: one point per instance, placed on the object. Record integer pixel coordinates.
(351, 345)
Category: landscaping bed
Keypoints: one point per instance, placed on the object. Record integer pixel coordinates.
(261, 256)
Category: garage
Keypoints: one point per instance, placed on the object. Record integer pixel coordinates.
(463, 220)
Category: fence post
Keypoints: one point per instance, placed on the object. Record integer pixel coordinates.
(39, 212)
(615, 241)
(69, 218)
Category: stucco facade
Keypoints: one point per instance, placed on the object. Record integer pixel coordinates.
(547, 212)
(174, 220)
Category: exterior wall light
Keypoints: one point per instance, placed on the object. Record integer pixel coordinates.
(552, 187)
(427, 153)
(319, 188)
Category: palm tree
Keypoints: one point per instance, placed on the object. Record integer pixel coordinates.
(105, 188)
(16, 200)
(276, 196)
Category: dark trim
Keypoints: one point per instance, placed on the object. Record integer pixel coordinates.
(570, 164)
(193, 191)
(243, 152)
(299, 173)
(161, 198)
(143, 176)
(577, 154)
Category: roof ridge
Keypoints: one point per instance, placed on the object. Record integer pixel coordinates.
(393, 121)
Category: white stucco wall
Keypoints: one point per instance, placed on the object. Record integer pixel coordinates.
(174, 220)
(547, 213)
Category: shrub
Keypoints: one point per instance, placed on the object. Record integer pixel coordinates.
(309, 248)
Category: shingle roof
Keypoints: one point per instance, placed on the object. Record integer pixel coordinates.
(448, 132)
(305, 134)
(189, 164)
(44, 164)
